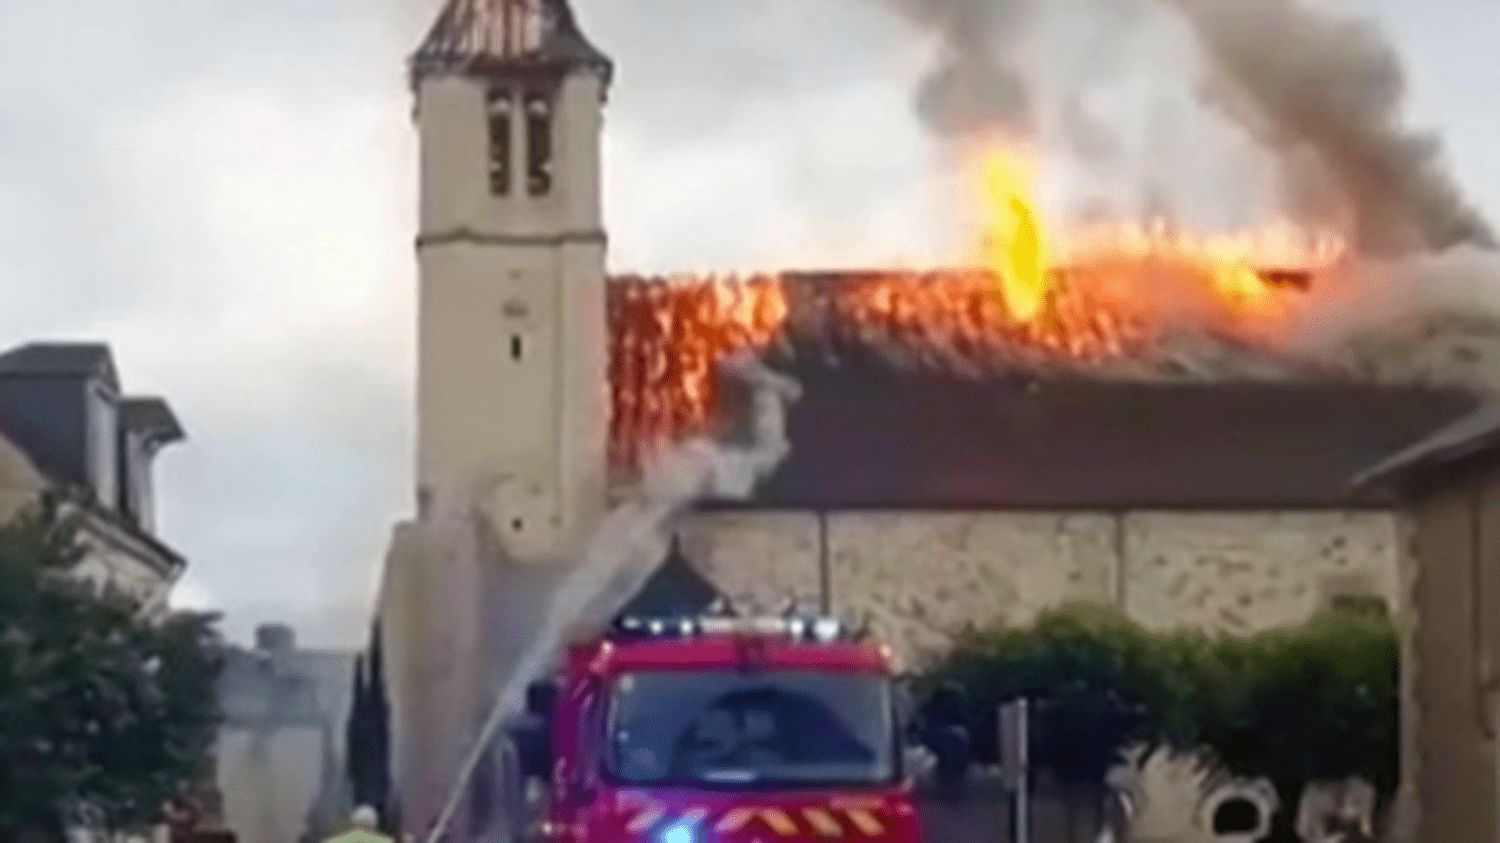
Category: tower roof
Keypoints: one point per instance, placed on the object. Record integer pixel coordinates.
(505, 35)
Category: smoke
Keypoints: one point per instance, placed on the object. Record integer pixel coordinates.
(1327, 90)
(976, 83)
(1429, 318)
(634, 538)
(1321, 93)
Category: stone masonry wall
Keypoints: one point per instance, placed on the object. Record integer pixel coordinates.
(921, 576)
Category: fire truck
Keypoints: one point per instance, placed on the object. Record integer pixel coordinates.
(720, 730)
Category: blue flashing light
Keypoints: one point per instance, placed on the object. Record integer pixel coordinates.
(680, 833)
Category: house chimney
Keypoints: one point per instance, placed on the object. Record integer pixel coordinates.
(275, 638)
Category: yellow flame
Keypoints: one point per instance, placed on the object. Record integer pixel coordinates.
(1015, 242)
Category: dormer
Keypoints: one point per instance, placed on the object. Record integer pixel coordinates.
(147, 425)
(61, 404)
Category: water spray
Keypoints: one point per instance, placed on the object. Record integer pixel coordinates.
(633, 539)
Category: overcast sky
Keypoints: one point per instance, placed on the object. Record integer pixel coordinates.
(224, 190)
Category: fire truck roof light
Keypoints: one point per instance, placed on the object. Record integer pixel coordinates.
(823, 630)
(827, 629)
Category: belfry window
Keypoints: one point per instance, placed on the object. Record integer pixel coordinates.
(538, 144)
(498, 108)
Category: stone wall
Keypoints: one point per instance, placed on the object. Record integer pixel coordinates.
(921, 576)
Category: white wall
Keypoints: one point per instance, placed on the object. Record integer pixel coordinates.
(511, 349)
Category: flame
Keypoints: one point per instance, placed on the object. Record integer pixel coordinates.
(1063, 285)
(1015, 242)
(1043, 293)
(666, 337)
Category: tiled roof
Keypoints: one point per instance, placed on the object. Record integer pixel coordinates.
(479, 35)
(901, 412)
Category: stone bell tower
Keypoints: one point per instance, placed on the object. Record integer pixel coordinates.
(512, 384)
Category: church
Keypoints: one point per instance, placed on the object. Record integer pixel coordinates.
(935, 478)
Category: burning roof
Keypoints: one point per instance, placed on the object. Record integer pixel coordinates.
(1040, 298)
(920, 392)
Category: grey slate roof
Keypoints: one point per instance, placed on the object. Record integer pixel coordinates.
(152, 416)
(1469, 436)
(676, 589)
(46, 359)
(870, 438)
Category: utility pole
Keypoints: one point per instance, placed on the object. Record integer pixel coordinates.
(1015, 760)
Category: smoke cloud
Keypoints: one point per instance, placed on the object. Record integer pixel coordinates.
(976, 83)
(1321, 92)
(1327, 90)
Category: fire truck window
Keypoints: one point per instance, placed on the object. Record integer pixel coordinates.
(717, 727)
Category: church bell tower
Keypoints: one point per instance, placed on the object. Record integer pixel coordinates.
(512, 391)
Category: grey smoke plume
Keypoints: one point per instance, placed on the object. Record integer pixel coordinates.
(1324, 92)
(976, 83)
(634, 539)
(1318, 86)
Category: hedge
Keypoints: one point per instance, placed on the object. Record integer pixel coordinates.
(1313, 702)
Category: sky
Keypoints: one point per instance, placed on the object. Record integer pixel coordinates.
(225, 191)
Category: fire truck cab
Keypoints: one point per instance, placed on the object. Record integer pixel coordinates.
(722, 730)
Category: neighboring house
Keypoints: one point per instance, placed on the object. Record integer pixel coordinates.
(1451, 483)
(67, 426)
(281, 748)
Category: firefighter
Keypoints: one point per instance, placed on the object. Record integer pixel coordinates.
(364, 828)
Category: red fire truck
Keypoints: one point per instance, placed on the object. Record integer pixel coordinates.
(721, 730)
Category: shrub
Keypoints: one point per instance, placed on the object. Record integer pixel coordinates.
(1100, 685)
(1314, 702)
(1310, 703)
(104, 716)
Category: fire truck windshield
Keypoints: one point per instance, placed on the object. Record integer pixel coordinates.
(731, 729)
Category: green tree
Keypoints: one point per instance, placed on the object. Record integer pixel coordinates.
(1316, 702)
(367, 732)
(1100, 686)
(105, 715)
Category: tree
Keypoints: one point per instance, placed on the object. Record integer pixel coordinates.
(367, 733)
(1315, 702)
(1319, 702)
(105, 715)
(1101, 688)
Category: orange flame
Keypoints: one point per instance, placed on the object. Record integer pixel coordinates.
(1015, 242)
(1042, 293)
(1102, 290)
